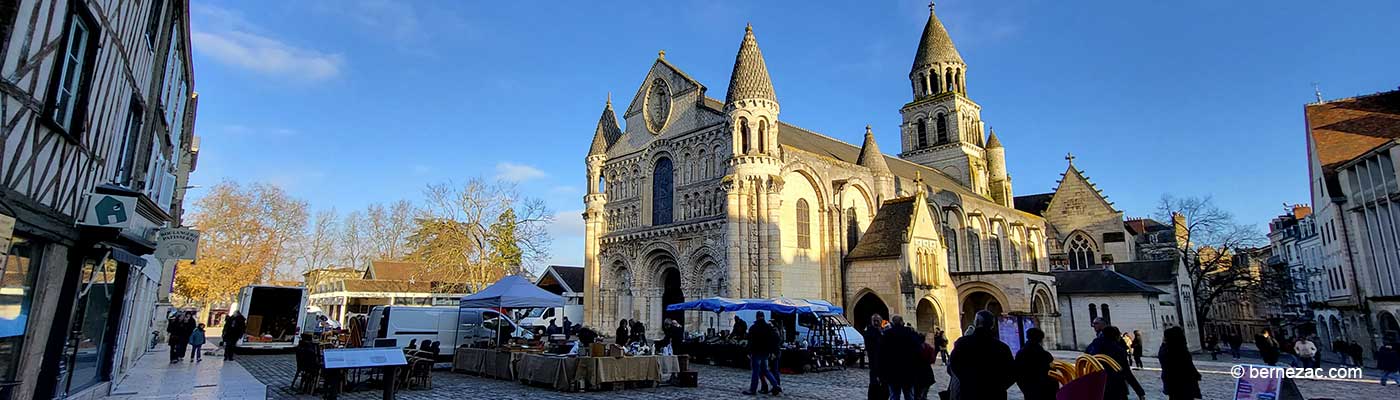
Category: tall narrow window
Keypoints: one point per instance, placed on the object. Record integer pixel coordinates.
(974, 250)
(1093, 312)
(948, 77)
(762, 136)
(922, 129)
(130, 140)
(662, 196)
(72, 72)
(852, 229)
(950, 239)
(1015, 256)
(1107, 317)
(153, 23)
(804, 225)
(994, 247)
(744, 134)
(1035, 258)
(942, 126)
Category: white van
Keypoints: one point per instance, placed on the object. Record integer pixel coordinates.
(541, 317)
(275, 315)
(450, 325)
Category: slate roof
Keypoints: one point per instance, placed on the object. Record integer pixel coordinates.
(386, 286)
(935, 46)
(992, 141)
(825, 146)
(571, 277)
(1153, 271)
(1344, 129)
(885, 237)
(870, 156)
(1034, 203)
(750, 77)
(1099, 281)
(607, 132)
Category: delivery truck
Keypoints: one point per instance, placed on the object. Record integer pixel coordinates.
(275, 316)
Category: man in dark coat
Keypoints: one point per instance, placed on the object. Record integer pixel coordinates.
(1180, 379)
(1033, 368)
(872, 336)
(178, 329)
(234, 326)
(763, 343)
(1388, 361)
(624, 332)
(1355, 350)
(981, 363)
(1268, 347)
(900, 359)
(741, 328)
(1110, 343)
(568, 327)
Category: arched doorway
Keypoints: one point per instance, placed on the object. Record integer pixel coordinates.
(927, 316)
(1390, 328)
(868, 304)
(978, 301)
(671, 293)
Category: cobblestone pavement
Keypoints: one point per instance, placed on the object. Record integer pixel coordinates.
(725, 383)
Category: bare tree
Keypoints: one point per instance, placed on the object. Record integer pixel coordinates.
(318, 248)
(354, 241)
(1216, 252)
(389, 228)
(457, 226)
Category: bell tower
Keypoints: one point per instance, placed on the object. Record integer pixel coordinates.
(753, 187)
(942, 127)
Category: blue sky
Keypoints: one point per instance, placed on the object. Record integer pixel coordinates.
(346, 103)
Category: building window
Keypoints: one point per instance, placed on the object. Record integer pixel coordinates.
(950, 239)
(744, 134)
(942, 127)
(1081, 252)
(762, 134)
(1093, 312)
(852, 229)
(1015, 256)
(153, 23)
(1035, 258)
(130, 140)
(72, 72)
(922, 128)
(804, 225)
(662, 189)
(1107, 317)
(17, 272)
(994, 248)
(974, 250)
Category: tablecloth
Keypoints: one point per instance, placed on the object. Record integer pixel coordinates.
(595, 371)
(552, 371)
(486, 362)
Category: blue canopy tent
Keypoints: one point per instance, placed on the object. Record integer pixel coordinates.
(512, 291)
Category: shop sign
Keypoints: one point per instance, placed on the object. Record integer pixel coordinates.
(177, 244)
(109, 211)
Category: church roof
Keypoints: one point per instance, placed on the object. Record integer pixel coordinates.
(1034, 203)
(886, 235)
(935, 46)
(1345, 129)
(1153, 271)
(607, 132)
(750, 78)
(825, 146)
(870, 156)
(1099, 281)
(992, 141)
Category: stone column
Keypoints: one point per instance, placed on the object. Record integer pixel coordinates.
(773, 256)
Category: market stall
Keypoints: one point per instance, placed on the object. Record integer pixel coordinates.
(813, 332)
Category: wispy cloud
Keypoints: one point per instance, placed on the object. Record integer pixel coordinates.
(567, 224)
(513, 172)
(227, 37)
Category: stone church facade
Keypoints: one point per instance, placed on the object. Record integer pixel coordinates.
(693, 197)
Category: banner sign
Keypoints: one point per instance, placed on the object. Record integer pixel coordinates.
(177, 244)
(109, 211)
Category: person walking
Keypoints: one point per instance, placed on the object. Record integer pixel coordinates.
(1033, 368)
(1388, 360)
(179, 329)
(980, 363)
(940, 345)
(1137, 348)
(872, 336)
(1110, 345)
(1268, 347)
(1212, 345)
(1354, 350)
(1306, 351)
(763, 342)
(197, 340)
(928, 356)
(623, 332)
(1234, 340)
(234, 326)
(1180, 379)
(1098, 324)
(900, 359)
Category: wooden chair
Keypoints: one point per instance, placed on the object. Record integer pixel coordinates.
(308, 373)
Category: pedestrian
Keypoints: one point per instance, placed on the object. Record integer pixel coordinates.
(1212, 345)
(1098, 324)
(553, 329)
(623, 332)
(872, 336)
(180, 327)
(669, 337)
(586, 336)
(639, 332)
(763, 342)
(1306, 350)
(1235, 340)
(928, 354)
(1354, 350)
(1388, 361)
(234, 326)
(1119, 381)
(1137, 348)
(981, 363)
(900, 358)
(940, 345)
(1180, 379)
(197, 340)
(1267, 347)
(1033, 368)
(741, 328)
(568, 327)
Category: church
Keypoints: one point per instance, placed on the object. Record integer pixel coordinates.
(691, 197)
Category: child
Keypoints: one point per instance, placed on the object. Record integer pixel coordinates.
(197, 340)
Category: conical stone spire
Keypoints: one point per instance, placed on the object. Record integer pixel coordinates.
(750, 78)
(935, 46)
(607, 131)
(992, 141)
(870, 156)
